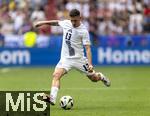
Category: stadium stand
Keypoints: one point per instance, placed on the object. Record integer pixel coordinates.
(102, 17)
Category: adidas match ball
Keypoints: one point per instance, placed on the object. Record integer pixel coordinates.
(66, 102)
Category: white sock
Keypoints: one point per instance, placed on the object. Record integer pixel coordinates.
(53, 93)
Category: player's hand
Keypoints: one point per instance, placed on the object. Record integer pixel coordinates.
(90, 69)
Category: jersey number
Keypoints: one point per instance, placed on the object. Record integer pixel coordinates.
(68, 42)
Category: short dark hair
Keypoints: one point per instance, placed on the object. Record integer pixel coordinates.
(74, 13)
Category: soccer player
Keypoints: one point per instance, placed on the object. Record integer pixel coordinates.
(75, 37)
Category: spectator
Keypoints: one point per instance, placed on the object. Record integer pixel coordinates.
(106, 26)
(30, 39)
(38, 14)
(18, 20)
(93, 20)
(136, 22)
(73, 4)
(1, 38)
(7, 27)
(146, 18)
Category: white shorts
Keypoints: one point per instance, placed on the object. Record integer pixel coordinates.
(80, 64)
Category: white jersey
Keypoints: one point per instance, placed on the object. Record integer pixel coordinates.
(73, 40)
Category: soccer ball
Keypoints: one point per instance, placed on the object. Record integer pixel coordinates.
(66, 102)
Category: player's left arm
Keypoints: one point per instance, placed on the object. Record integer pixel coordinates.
(89, 56)
(87, 45)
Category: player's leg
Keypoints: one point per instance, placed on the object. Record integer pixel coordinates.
(83, 66)
(58, 73)
(62, 68)
(98, 76)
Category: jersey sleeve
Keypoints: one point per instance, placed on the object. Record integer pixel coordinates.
(63, 23)
(86, 38)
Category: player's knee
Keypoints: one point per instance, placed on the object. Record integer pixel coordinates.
(93, 78)
(56, 76)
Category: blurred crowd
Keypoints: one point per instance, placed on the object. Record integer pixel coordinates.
(111, 16)
(102, 17)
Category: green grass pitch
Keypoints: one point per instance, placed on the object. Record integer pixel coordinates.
(129, 94)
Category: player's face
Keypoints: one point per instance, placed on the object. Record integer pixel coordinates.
(75, 21)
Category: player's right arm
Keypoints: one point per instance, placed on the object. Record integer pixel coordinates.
(50, 22)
